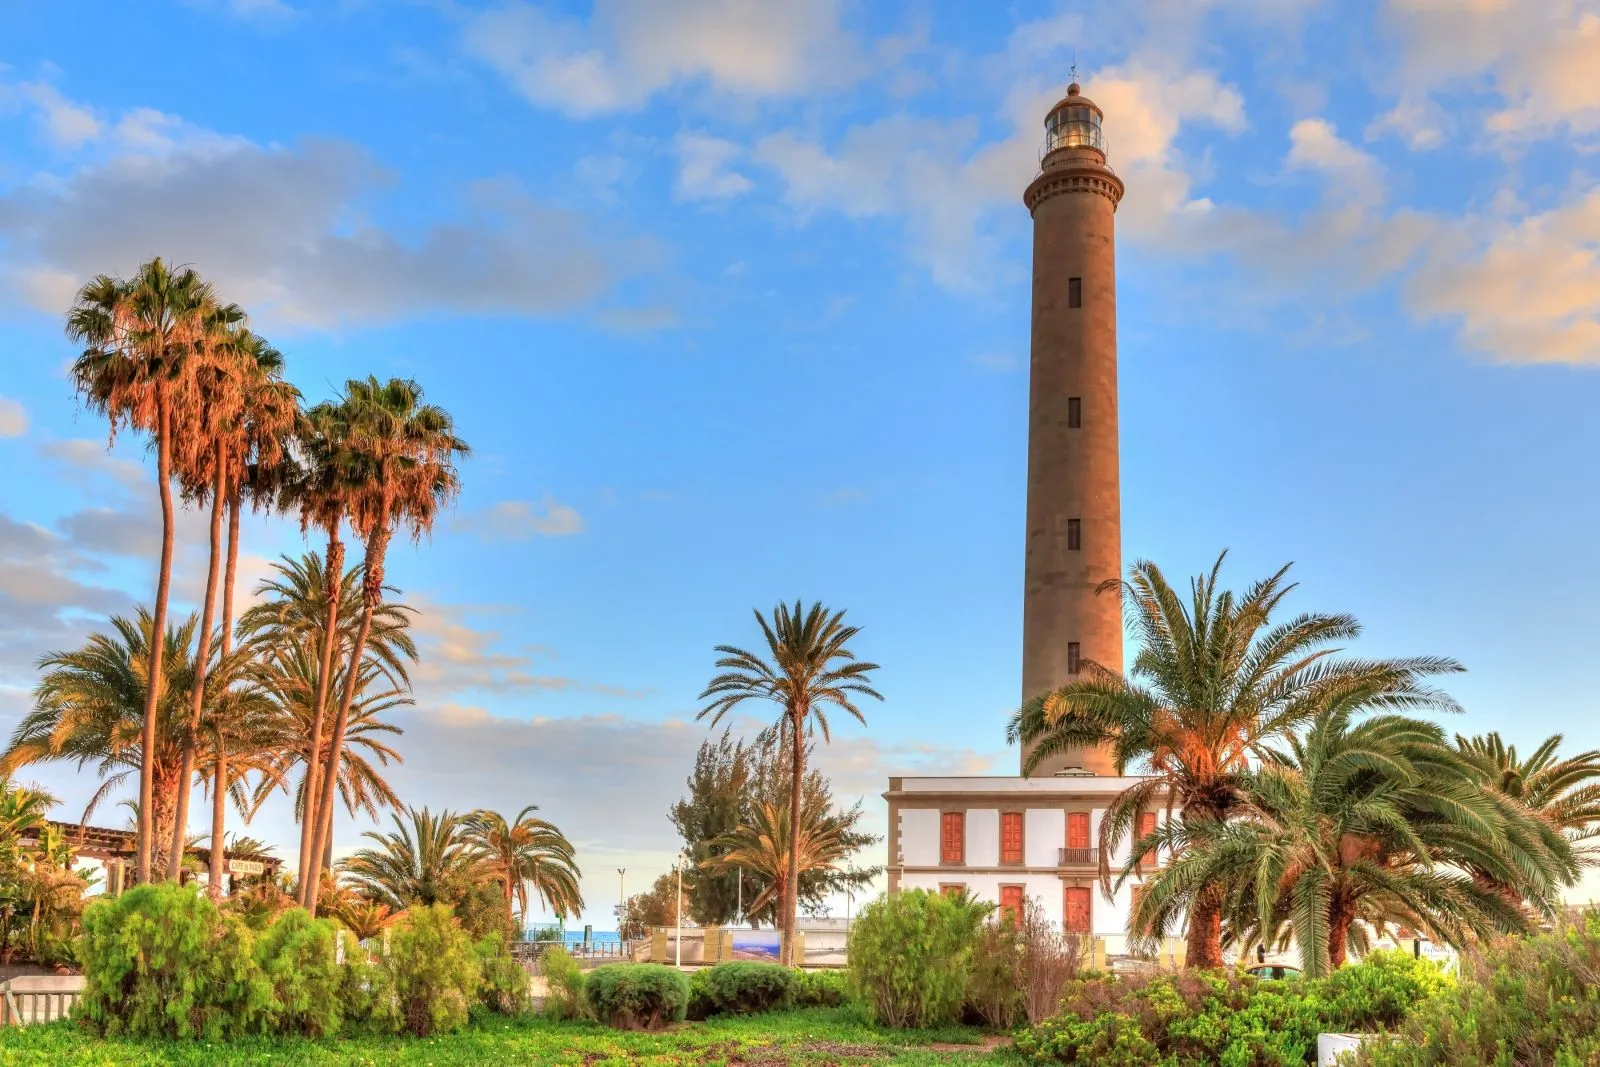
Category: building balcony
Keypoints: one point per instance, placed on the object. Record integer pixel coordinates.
(1079, 857)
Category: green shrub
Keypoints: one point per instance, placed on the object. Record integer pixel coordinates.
(503, 984)
(161, 961)
(1533, 1000)
(997, 984)
(820, 989)
(361, 981)
(746, 987)
(298, 958)
(702, 1005)
(636, 996)
(1226, 1018)
(563, 997)
(429, 976)
(910, 956)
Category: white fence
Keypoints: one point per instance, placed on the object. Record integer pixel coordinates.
(38, 999)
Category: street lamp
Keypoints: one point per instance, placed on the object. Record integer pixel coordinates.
(677, 916)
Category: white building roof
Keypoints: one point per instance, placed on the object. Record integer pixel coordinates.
(1064, 785)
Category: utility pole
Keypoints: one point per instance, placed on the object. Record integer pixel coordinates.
(678, 917)
(740, 910)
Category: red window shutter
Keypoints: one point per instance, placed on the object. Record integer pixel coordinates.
(952, 890)
(1147, 823)
(1077, 829)
(953, 847)
(1011, 837)
(1011, 903)
(1077, 910)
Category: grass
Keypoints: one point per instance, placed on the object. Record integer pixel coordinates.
(816, 1036)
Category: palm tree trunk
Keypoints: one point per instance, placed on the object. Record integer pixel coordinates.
(219, 781)
(310, 827)
(791, 899)
(1204, 951)
(371, 594)
(152, 696)
(1338, 935)
(202, 658)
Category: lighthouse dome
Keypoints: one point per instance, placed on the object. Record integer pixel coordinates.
(1074, 123)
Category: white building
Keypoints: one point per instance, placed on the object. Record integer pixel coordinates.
(1006, 839)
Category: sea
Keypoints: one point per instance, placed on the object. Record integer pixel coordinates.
(575, 937)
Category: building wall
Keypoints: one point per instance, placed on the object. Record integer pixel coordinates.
(919, 837)
(1044, 831)
(983, 837)
(1108, 915)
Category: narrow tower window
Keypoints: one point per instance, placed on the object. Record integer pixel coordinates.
(1074, 292)
(1072, 657)
(1074, 535)
(1074, 412)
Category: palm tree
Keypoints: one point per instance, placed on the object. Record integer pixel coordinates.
(427, 860)
(765, 847)
(304, 630)
(1214, 682)
(89, 707)
(528, 851)
(137, 335)
(401, 456)
(247, 731)
(811, 667)
(1565, 793)
(1358, 827)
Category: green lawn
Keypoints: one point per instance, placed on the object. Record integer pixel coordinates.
(818, 1036)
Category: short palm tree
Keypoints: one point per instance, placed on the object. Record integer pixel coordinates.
(427, 860)
(810, 667)
(1214, 682)
(89, 708)
(138, 335)
(766, 847)
(1356, 827)
(528, 851)
(1563, 792)
(398, 457)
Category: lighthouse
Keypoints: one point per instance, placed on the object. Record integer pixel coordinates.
(1074, 526)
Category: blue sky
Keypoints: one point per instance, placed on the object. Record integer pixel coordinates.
(730, 299)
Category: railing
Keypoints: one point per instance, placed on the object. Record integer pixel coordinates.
(1079, 857)
(583, 950)
(27, 1000)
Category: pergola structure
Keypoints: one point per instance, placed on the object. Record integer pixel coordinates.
(118, 850)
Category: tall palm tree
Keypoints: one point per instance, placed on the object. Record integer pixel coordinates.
(206, 396)
(811, 667)
(1214, 682)
(528, 851)
(1565, 793)
(427, 860)
(89, 708)
(137, 335)
(766, 847)
(307, 622)
(401, 454)
(1357, 827)
(255, 447)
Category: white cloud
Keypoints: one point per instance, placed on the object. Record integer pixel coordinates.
(1315, 145)
(704, 169)
(629, 50)
(13, 417)
(65, 123)
(523, 520)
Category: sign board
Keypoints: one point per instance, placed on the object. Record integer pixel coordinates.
(246, 867)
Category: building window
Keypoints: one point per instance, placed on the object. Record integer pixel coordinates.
(951, 889)
(1072, 657)
(1074, 535)
(1147, 823)
(1074, 412)
(1077, 829)
(1074, 292)
(1011, 904)
(953, 839)
(1011, 837)
(1077, 919)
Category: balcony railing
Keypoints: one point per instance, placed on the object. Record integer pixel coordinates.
(1079, 857)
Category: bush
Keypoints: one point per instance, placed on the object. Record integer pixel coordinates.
(910, 956)
(1226, 1018)
(503, 984)
(563, 998)
(161, 961)
(429, 974)
(820, 989)
(997, 985)
(636, 996)
(1523, 1000)
(748, 987)
(702, 1005)
(361, 982)
(298, 958)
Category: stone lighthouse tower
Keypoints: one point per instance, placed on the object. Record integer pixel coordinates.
(1074, 538)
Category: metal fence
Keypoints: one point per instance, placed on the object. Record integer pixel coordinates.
(581, 950)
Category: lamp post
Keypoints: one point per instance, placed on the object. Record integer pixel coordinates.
(677, 917)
